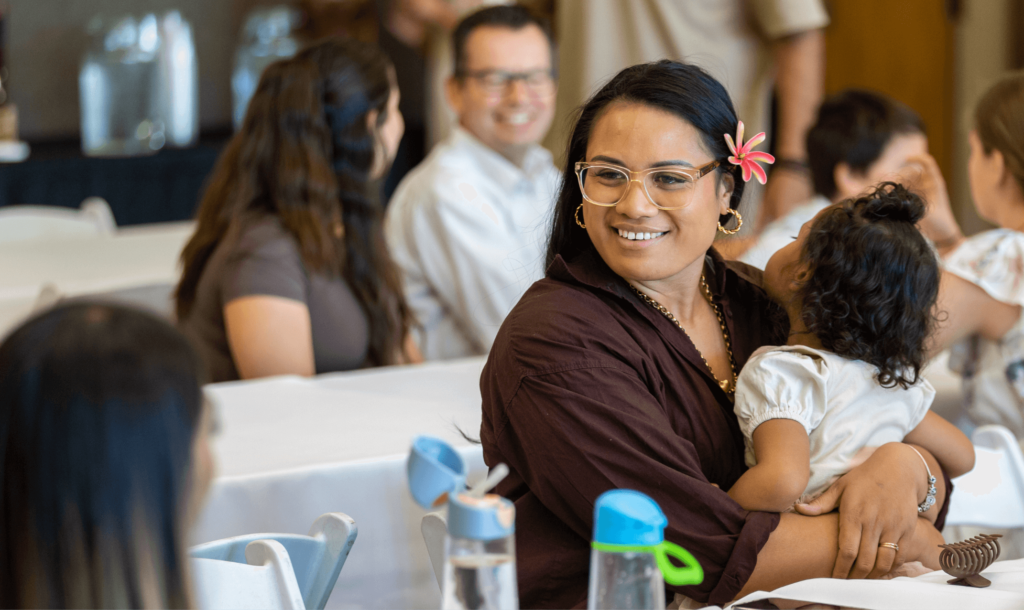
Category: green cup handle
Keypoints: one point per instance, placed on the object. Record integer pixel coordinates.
(688, 574)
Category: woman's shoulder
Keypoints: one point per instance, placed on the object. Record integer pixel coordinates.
(750, 277)
(260, 231)
(988, 245)
(559, 325)
(261, 238)
(994, 260)
(756, 318)
(561, 308)
(260, 256)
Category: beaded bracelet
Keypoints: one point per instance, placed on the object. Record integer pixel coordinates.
(929, 500)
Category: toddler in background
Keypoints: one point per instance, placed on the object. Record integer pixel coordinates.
(859, 285)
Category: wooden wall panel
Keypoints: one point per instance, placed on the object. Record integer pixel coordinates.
(903, 48)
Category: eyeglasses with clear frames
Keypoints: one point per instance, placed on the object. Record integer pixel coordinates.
(496, 82)
(668, 188)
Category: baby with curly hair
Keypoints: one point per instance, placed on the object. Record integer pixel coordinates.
(859, 285)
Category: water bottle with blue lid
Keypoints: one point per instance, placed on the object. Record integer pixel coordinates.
(629, 557)
(480, 565)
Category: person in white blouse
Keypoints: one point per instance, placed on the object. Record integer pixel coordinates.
(468, 226)
(858, 139)
(982, 292)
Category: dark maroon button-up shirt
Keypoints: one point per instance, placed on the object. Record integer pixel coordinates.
(588, 388)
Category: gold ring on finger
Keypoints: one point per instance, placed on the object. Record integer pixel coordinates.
(889, 545)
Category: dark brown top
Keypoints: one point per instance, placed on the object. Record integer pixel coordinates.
(264, 259)
(587, 389)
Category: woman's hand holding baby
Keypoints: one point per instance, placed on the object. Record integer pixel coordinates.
(877, 503)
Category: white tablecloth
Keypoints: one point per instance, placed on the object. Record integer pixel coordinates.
(133, 257)
(928, 591)
(290, 449)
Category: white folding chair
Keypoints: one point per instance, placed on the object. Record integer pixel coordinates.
(992, 494)
(317, 559)
(434, 528)
(265, 581)
(28, 222)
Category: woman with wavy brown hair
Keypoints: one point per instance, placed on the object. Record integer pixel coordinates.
(288, 272)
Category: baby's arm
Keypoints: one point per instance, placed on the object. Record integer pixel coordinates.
(951, 448)
(783, 467)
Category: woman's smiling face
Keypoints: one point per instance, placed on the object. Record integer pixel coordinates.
(637, 137)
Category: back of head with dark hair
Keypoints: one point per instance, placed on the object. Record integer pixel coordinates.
(999, 122)
(99, 407)
(873, 284)
(304, 153)
(513, 17)
(854, 127)
(683, 90)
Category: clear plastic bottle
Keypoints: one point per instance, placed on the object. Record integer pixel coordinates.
(118, 89)
(479, 568)
(629, 557)
(266, 38)
(625, 580)
(480, 557)
(179, 81)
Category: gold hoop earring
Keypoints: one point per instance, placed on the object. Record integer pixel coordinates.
(739, 223)
(576, 215)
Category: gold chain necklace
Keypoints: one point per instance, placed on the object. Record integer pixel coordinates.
(727, 385)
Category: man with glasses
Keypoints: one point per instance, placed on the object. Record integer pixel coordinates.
(468, 226)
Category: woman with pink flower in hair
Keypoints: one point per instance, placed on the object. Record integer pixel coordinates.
(619, 368)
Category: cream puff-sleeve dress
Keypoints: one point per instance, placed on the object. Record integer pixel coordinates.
(839, 402)
(993, 371)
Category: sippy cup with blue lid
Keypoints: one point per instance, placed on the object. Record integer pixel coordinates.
(629, 557)
(479, 565)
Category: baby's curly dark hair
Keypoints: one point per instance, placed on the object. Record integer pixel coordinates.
(874, 279)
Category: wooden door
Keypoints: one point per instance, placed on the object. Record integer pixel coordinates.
(904, 49)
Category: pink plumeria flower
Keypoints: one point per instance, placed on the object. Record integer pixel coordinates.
(747, 158)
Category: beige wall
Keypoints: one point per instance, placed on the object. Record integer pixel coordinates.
(46, 38)
(983, 51)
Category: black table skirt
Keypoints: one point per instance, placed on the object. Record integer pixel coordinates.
(162, 187)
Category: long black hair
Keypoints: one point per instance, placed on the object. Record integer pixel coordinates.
(684, 90)
(873, 283)
(99, 408)
(305, 154)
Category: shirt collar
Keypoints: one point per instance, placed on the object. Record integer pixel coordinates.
(590, 270)
(508, 175)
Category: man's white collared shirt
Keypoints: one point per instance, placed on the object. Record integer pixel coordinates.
(469, 230)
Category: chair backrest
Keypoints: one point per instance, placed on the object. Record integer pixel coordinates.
(317, 559)
(265, 580)
(992, 494)
(49, 295)
(28, 222)
(155, 298)
(434, 528)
